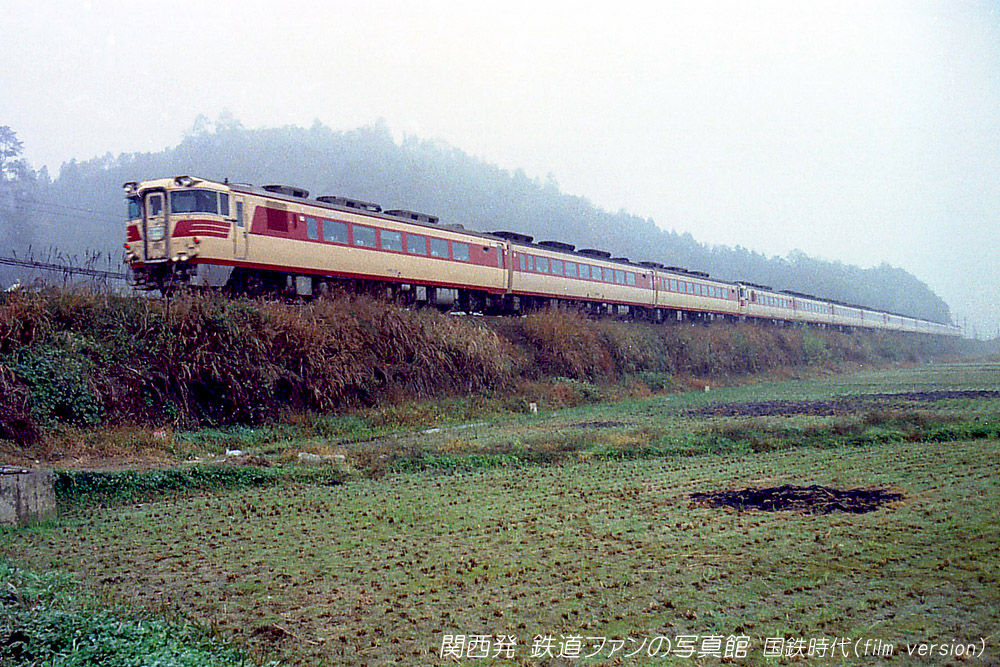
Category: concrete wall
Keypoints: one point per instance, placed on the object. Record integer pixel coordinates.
(26, 496)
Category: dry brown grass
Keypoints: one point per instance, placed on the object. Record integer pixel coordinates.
(207, 359)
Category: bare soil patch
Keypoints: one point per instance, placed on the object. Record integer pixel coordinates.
(836, 406)
(814, 499)
(599, 424)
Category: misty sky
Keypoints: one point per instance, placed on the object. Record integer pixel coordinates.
(865, 132)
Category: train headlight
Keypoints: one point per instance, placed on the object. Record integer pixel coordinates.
(130, 188)
(184, 181)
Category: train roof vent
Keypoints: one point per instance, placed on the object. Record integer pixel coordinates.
(455, 226)
(413, 215)
(621, 259)
(652, 265)
(677, 269)
(350, 203)
(517, 237)
(557, 245)
(767, 287)
(590, 252)
(700, 274)
(289, 190)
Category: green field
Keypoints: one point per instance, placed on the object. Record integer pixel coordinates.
(599, 544)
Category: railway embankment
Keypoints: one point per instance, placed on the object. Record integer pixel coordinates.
(83, 360)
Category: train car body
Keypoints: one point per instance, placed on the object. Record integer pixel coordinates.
(189, 231)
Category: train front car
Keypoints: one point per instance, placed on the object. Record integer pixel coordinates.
(177, 229)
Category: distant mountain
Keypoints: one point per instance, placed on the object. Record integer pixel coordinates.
(82, 208)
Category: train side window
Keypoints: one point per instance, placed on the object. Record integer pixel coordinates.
(416, 245)
(312, 229)
(224, 204)
(391, 240)
(557, 267)
(460, 251)
(364, 236)
(522, 261)
(542, 264)
(439, 247)
(335, 232)
(585, 271)
(571, 269)
(630, 277)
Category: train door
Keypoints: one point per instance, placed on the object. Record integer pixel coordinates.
(155, 222)
(240, 238)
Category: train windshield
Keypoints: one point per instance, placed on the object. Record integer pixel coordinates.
(134, 208)
(194, 201)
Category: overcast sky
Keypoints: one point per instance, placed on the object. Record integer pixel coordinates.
(865, 132)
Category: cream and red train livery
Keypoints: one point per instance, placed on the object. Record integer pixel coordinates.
(191, 231)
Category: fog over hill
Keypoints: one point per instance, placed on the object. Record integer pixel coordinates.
(81, 210)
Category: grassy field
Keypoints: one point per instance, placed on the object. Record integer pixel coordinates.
(599, 546)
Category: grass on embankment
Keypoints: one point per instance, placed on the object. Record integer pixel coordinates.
(95, 360)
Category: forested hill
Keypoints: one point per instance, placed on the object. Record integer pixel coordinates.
(82, 208)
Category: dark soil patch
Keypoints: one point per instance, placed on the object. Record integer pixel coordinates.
(836, 406)
(598, 424)
(813, 499)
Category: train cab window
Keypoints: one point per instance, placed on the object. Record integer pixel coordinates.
(194, 201)
(571, 269)
(416, 245)
(557, 267)
(542, 264)
(391, 240)
(335, 232)
(224, 204)
(134, 209)
(312, 228)
(439, 247)
(460, 251)
(630, 277)
(364, 237)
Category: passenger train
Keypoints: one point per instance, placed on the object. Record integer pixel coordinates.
(187, 231)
